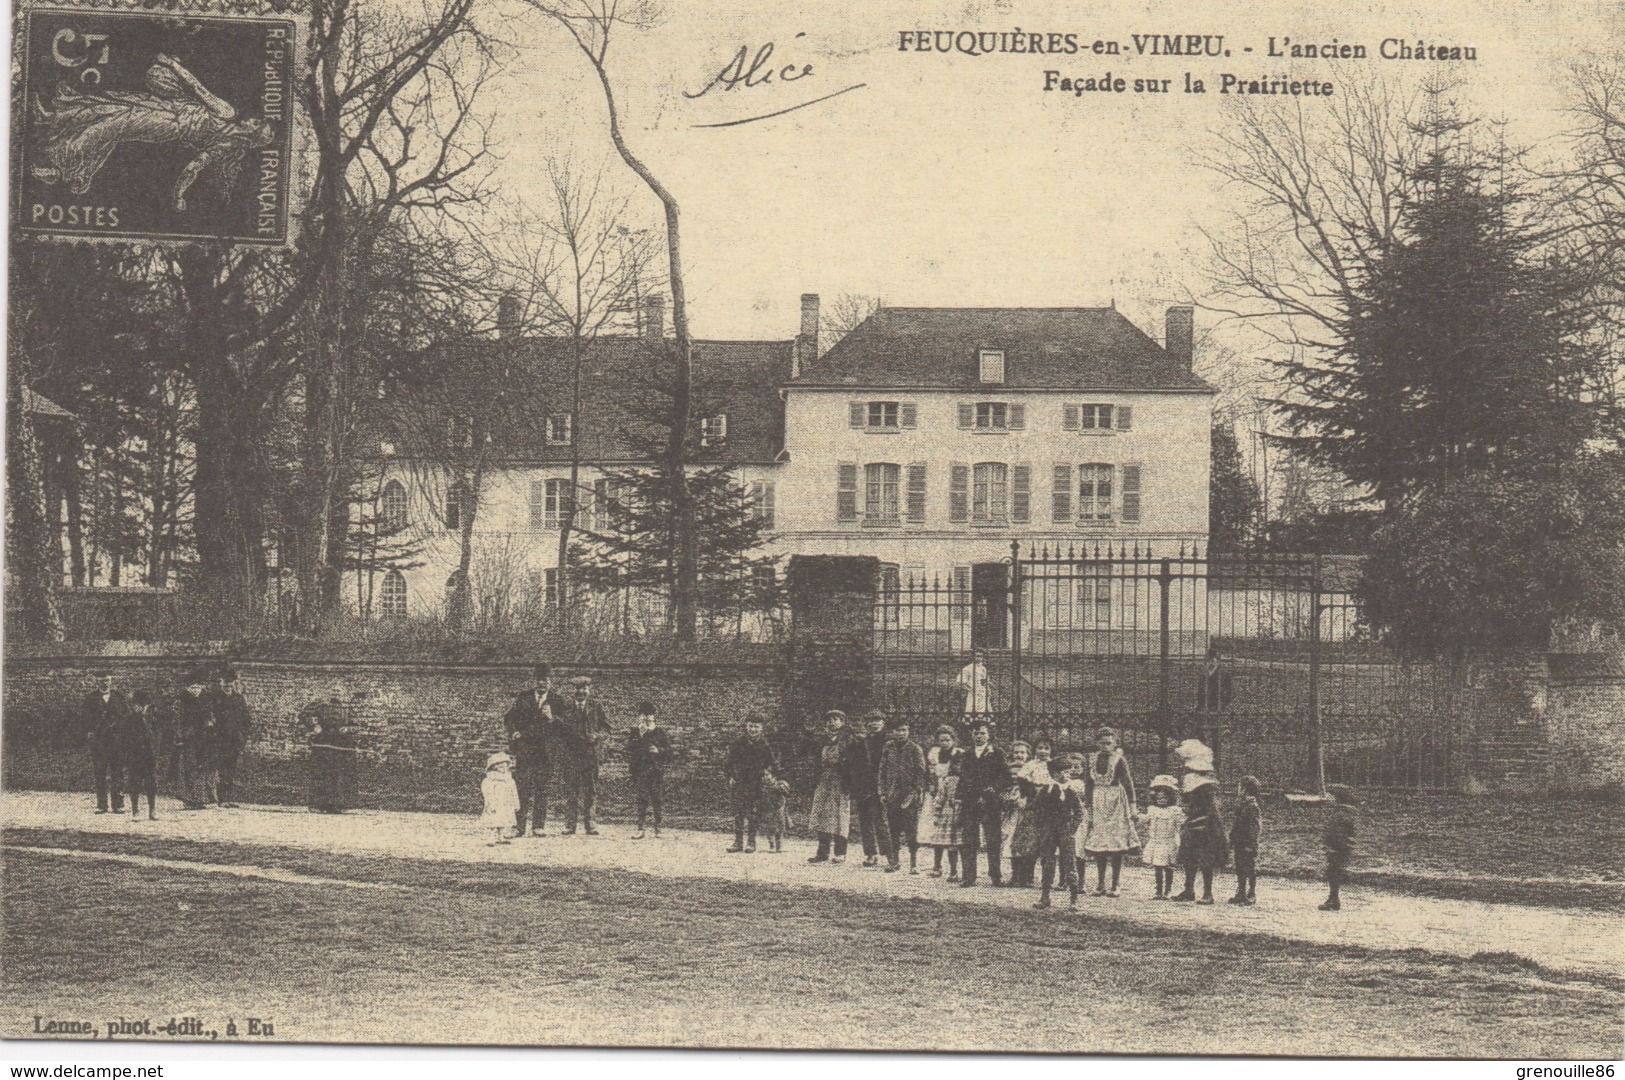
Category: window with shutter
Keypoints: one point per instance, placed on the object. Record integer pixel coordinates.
(916, 493)
(1021, 496)
(1131, 492)
(854, 413)
(992, 416)
(967, 415)
(883, 415)
(1018, 416)
(1094, 493)
(880, 493)
(989, 492)
(846, 493)
(959, 493)
(1061, 495)
(910, 414)
(1069, 419)
(761, 498)
(959, 595)
(1125, 418)
(555, 503)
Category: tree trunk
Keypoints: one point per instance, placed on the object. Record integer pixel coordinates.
(33, 568)
(72, 493)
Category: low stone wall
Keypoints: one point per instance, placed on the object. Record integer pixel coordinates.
(431, 722)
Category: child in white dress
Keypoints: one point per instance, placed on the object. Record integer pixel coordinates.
(1162, 821)
(501, 797)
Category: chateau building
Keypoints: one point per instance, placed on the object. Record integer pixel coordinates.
(930, 438)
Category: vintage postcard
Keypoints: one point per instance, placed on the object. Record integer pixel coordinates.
(1012, 526)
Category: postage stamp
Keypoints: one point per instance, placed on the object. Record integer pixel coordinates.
(157, 126)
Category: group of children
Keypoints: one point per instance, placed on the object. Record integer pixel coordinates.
(1058, 811)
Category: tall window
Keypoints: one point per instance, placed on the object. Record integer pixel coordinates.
(761, 501)
(603, 504)
(1094, 492)
(1094, 601)
(555, 503)
(990, 363)
(392, 506)
(880, 497)
(990, 492)
(392, 596)
(457, 500)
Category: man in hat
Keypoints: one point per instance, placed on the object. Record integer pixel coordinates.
(531, 723)
(235, 721)
(104, 714)
(982, 780)
(584, 730)
(865, 764)
(749, 756)
(1338, 840)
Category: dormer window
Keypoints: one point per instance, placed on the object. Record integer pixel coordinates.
(991, 364)
(714, 430)
(560, 429)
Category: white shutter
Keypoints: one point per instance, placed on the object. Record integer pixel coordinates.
(855, 413)
(910, 414)
(967, 416)
(538, 504)
(1125, 418)
(1131, 493)
(1018, 416)
(1069, 419)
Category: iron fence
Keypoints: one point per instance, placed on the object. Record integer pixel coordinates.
(1264, 657)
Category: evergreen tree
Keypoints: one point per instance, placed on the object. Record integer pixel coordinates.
(1233, 500)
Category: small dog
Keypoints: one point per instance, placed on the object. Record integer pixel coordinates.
(774, 809)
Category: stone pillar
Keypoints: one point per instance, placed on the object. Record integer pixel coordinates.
(832, 642)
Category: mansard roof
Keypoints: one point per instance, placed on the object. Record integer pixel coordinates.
(1044, 348)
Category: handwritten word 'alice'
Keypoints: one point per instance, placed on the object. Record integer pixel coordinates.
(747, 71)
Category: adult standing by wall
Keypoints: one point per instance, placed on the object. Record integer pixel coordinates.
(197, 745)
(974, 686)
(104, 715)
(749, 756)
(902, 781)
(530, 723)
(585, 729)
(332, 755)
(831, 814)
(236, 723)
(648, 748)
(982, 780)
(139, 741)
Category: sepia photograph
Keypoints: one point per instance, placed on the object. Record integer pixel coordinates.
(997, 526)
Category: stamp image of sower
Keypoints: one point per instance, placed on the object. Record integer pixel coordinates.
(156, 127)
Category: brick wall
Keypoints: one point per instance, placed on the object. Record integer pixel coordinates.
(1585, 716)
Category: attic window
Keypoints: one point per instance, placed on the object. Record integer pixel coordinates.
(714, 430)
(992, 365)
(560, 429)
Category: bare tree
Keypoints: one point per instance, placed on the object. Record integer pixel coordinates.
(591, 24)
(844, 314)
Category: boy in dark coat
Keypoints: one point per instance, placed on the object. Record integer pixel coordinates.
(1059, 811)
(648, 748)
(866, 800)
(1338, 839)
(139, 741)
(902, 782)
(1244, 829)
(982, 780)
(748, 758)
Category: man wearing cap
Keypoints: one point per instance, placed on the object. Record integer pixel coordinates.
(197, 744)
(902, 782)
(983, 777)
(865, 762)
(584, 730)
(104, 719)
(235, 722)
(530, 723)
(139, 741)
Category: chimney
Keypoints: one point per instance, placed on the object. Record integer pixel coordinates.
(508, 317)
(806, 350)
(1181, 333)
(653, 323)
